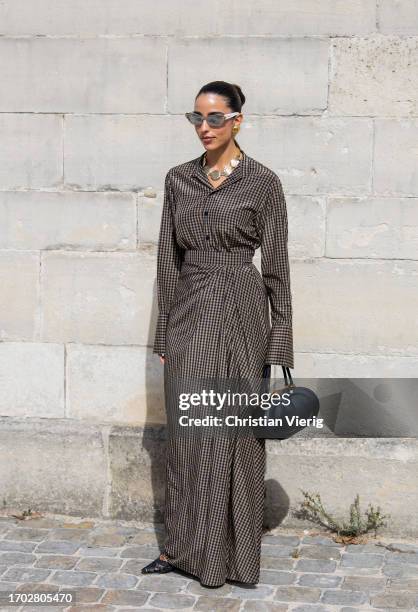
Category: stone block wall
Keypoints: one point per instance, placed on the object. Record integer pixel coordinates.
(92, 103)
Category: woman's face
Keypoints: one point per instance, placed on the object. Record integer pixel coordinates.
(213, 138)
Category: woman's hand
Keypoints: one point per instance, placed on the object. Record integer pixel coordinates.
(162, 358)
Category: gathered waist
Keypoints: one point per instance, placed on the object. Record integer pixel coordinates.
(223, 257)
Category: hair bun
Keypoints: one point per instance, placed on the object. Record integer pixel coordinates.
(239, 90)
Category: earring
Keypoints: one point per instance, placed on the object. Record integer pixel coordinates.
(235, 129)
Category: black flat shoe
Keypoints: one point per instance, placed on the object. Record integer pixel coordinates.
(159, 566)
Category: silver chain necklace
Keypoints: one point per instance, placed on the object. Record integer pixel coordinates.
(216, 174)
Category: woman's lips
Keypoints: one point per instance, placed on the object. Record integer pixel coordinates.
(208, 139)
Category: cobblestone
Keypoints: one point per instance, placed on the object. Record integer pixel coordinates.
(177, 602)
(280, 563)
(315, 565)
(395, 600)
(301, 571)
(56, 561)
(276, 577)
(362, 560)
(50, 546)
(339, 596)
(400, 571)
(403, 584)
(364, 583)
(257, 605)
(324, 581)
(297, 593)
(72, 578)
(320, 552)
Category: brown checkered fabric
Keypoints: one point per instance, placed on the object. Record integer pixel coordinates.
(214, 321)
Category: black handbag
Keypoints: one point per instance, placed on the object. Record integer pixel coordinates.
(299, 409)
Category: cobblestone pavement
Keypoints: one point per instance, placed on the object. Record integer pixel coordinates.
(101, 561)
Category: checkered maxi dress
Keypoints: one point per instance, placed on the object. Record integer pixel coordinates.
(214, 321)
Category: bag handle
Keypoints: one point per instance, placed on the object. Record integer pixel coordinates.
(286, 374)
(287, 377)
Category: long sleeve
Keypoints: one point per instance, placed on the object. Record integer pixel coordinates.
(169, 260)
(273, 229)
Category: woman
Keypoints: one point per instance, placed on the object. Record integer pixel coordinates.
(214, 324)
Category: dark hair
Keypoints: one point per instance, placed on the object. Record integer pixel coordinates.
(230, 91)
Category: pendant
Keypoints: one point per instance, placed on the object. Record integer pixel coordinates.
(215, 175)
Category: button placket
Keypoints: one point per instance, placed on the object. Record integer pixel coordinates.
(205, 218)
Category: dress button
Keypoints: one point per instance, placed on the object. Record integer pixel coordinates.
(207, 237)
(206, 212)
